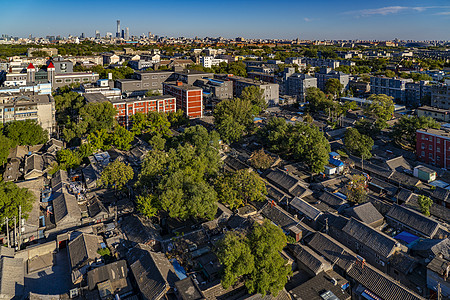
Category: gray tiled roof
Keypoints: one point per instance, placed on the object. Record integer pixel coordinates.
(366, 213)
(413, 220)
(332, 199)
(305, 208)
(153, 271)
(332, 250)
(381, 284)
(11, 277)
(113, 272)
(313, 261)
(373, 239)
(83, 248)
(66, 209)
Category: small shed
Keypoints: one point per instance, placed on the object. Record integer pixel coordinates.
(424, 173)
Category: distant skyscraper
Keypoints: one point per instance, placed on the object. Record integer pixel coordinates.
(82, 35)
(97, 34)
(127, 33)
(123, 34)
(118, 29)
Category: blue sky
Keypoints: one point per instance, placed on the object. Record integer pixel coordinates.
(323, 19)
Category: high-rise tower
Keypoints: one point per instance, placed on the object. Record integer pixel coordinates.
(118, 29)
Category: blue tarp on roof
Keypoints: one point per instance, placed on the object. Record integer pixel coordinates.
(336, 162)
(179, 270)
(406, 237)
(340, 195)
(334, 154)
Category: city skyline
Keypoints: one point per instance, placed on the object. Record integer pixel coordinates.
(385, 20)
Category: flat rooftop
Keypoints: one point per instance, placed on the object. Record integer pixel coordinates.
(184, 86)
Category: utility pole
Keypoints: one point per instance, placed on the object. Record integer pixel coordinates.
(20, 225)
(15, 232)
(439, 291)
(7, 232)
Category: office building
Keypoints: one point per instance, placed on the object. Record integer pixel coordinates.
(128, 107)
(118, 29)
(189, 97)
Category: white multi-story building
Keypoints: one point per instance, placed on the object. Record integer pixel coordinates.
(210, 61)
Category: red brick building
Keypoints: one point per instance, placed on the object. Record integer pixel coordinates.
(189, 97)
(433, 147)
(128, 107)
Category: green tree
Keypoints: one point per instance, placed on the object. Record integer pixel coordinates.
(98, 116)
(358, 144)
(404, 131)
(157, 142)
(148, 205)
(99, 139)
(261, 160)
(389, 73)
(5, 145)
(357, 189)
(256, 97)
(425, 204)
(238, 188)
(121, 138)
(381, 109)
(308, 144)
(27, 132)
(233, 118)
(11, 197)
(68, 159)
(116, 174)
(316, 99)
(236, 257)
(333, 86)
(255, 259)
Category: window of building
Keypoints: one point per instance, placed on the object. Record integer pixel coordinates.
(438, 157)
(438, 141)
(430, 155)
(154, 83)
(67, 80)
(85, 79)
(76, 80)
(438, 149)
(58, 80)
(155, 77)
(423, 146)
(430, 147)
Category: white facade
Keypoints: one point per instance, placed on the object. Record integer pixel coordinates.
(210, 61)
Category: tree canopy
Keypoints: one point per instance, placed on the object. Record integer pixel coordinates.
(238, 188)
(425, 204)
(256, 97)
(178, 180)
(381, 109)
(5, 145)
(233, 118)
(116, 174)
(255, 259)
(301, 141)
(27, 132)
(357, 189)
(334, 87)
(404, 131)
(358, 144)
(261, 160)
(11, 197)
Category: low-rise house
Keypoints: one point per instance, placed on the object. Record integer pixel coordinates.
(424, 173)
(305, 210)
(308, 260)
(11, 278)
(153, 272)
(366, 213)
(110, 280)
(438, 271)
(187, 289)
(375, 246)
(413, 221)
(326, 285)
(334, 200)
(288, 183)
(34, 166)
(279, 216)
(82, 253)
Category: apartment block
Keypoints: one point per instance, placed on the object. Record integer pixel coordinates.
(189, 98)
(28, 107)
(440, 96)
(394, 87)
(210, 61)
(326, 73)
(433, 147)
(297, 84)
